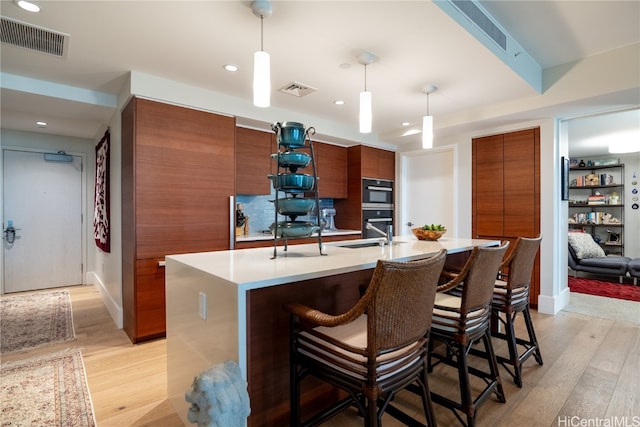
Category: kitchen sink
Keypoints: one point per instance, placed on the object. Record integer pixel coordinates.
(357, 245)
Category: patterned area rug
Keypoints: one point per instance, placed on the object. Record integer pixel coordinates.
(34, 319)
(604, 289)
(46, 391)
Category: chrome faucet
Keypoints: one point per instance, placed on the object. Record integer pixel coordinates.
(388, 235)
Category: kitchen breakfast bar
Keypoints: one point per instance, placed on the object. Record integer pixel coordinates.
(227, 305)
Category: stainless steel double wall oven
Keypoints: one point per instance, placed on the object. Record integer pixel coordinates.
(377, 206)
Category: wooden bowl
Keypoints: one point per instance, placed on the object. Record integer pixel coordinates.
(423, 234)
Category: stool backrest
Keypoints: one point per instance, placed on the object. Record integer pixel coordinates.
(477, 290)
(520, 262)
(400, 300)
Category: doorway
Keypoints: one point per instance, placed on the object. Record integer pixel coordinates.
(42, 200)
(428, 195)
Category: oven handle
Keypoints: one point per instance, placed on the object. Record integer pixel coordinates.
(377, 206)
(380, 220)
(371, 187)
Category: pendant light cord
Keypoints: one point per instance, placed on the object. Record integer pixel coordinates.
(261, 32)
(365, 77)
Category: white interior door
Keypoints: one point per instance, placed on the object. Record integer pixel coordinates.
(43, 201)
(428, 194)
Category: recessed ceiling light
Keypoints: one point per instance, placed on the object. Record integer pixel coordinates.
(338, 102)
(405, 123)
(41, 124)
(231, 67)
(28, 6)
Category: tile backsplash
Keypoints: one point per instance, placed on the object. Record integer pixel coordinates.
(261, 211)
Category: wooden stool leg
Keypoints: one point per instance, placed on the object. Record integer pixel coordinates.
(513, 348)
(465, 386)
(493, 367)
(532, 335)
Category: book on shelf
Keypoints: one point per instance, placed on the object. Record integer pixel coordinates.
(606, 179)
(597, 199)
(593, 179)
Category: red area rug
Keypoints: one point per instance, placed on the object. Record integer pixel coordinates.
(604, 289)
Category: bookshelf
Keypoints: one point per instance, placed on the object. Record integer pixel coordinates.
(596, 204)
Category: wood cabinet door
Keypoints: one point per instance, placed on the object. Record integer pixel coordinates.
(149, 300)
(331, 165)
(369, 162)
(377, 163)
(521, 184)
(387, 164)
(184, 176)
(253, 161)
(506, 190)
(488, 210)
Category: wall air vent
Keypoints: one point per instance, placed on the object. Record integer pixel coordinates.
(297, 89)
(31, 37)
(478, 17)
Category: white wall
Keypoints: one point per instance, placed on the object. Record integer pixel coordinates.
(107, 274)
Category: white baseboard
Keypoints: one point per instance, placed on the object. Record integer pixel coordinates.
(553, 304)
(114, 309)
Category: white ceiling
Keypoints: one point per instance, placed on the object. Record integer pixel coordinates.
(311, 42)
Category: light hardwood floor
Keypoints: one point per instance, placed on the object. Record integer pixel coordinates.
(591, 371)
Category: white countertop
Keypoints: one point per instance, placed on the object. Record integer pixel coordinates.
(254, 268)
(253, 237)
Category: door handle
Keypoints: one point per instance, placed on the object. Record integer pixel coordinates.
(409, 224)
(10, 232)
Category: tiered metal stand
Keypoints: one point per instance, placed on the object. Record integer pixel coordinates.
(284, 182)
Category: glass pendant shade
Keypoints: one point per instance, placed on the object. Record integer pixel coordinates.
(261, 79)
(366, 113)
(427, 132)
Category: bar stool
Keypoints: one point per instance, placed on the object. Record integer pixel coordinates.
(373, 350)
(462, 319)
(510, 297)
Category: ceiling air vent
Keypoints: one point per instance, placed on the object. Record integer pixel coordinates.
(483, 21)
(31, 37)
(297, 89)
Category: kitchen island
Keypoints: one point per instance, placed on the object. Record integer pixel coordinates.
(227, 305)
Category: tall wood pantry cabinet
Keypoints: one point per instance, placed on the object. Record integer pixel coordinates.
(177, 178)
(506, 190)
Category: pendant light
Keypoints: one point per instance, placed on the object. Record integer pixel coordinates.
(261, 60)
(366, 97)
(427, 121)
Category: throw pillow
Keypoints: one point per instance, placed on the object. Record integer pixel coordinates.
(584, 246)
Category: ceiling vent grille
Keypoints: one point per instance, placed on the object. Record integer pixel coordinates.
(31, 37)
(483, 22)
(297, 89)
